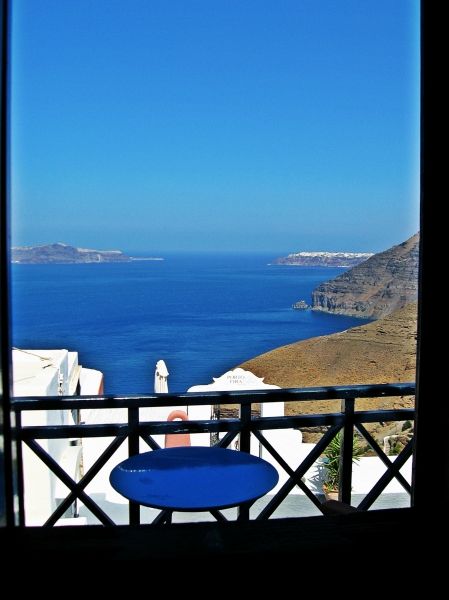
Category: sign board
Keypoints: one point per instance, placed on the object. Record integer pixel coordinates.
(237, 379)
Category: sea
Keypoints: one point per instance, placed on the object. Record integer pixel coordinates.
(203, 314)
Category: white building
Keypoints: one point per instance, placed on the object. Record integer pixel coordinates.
(50, 373)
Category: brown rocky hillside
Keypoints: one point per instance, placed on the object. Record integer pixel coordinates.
(383, 351)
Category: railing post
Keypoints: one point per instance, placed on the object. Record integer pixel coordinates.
(245, 446)
(16, 419)
(344, 492)
(245, 432)
(133, 448)
(215, 416)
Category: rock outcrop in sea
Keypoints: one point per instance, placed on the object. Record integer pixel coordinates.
(300, 305)
(375, 288)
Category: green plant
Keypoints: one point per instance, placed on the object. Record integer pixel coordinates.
(332, 454)
(396, 448)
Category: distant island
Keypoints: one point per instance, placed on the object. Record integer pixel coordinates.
(60, 253)
(323, 259)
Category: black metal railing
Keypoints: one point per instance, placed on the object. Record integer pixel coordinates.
(245, 425)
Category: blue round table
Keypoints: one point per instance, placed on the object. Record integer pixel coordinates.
(193, 478)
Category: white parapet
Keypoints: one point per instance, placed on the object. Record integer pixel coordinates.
(236, 379)
(39, 372)
(49, 373)
(91, 382)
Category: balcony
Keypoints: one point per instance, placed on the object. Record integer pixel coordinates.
(246, 429)
(387, 538)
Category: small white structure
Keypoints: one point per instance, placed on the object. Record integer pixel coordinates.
(237, 379)
(160, 378)
(50, 373)
(160, 413)
(90, 382)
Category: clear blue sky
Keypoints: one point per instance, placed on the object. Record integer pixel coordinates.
(277, 125)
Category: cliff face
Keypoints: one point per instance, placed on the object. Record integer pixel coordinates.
(385, 282)
(63, 253)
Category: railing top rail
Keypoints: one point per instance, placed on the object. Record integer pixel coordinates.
(243, 397)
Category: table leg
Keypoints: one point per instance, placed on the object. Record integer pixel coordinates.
(243, 511)
(134, 513)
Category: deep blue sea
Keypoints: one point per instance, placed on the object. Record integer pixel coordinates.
(202, 314)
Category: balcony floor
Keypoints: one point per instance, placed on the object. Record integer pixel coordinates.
(311, 540)
(295, 505)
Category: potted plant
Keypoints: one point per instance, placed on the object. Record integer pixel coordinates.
(331, 483)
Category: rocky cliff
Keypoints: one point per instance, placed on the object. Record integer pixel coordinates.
(63, 253)
(385, 282)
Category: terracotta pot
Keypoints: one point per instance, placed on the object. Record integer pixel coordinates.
(331, 494)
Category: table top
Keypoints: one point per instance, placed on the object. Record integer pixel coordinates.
(193, 478)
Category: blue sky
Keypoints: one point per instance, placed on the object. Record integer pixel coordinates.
(199, 125)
